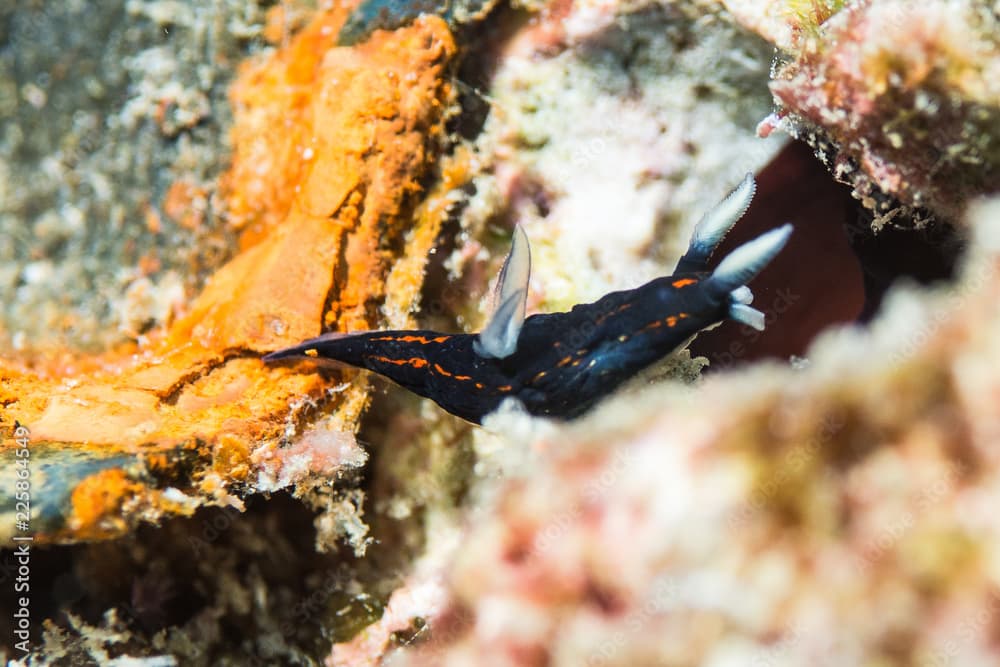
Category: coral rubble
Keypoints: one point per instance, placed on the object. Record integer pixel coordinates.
(903, 99)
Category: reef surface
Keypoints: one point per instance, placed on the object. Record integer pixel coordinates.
(194, 506)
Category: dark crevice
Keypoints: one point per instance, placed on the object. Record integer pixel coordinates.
(926, 255)
(404, 465)
(475, 74)
(195, 576)
(173, 393)
(177, 468)
(441, 299)
(835, 270)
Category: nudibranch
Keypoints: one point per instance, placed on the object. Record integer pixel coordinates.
(560, 364)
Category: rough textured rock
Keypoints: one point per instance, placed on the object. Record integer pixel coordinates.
(109, 152)
(836, 509)
(903, 99)
(197, 399)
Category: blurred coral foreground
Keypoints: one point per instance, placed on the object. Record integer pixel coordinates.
(839, 509)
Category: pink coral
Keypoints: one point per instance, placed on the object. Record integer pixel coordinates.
(908, 96)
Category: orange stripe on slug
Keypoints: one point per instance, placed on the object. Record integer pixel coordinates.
(652, 325)
(423, 340)
(416, 362)
(620, 309)
(442, 371)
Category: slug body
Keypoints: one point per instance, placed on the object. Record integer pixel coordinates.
(560, 364)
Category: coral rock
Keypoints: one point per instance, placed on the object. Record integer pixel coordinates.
(909, 96)
(331, 144)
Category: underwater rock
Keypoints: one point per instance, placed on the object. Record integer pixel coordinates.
(840, 506)
(96, 135)
(160, 429)
(902, 99)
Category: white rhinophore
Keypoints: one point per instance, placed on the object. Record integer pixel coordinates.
(498, 339)
(715, 224)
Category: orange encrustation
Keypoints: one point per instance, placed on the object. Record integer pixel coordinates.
(331, 146)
